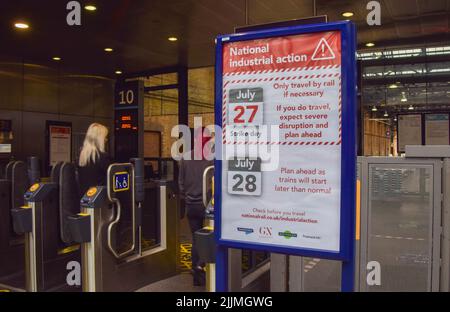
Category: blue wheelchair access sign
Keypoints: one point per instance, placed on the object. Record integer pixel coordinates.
(121, 182)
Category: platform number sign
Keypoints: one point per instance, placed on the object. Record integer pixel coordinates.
(244, 176)
(127, 94)
(126, 97)
(121, 182)
(246, 107)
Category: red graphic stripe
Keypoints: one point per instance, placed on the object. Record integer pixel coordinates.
(281, 70)
(252, 80)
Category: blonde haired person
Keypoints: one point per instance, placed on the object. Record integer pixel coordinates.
(94, 160)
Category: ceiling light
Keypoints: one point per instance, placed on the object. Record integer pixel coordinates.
(393, 86)
(386, 114)
(173, 39)
(118, 72)
(404, 99)
(109, 49)
(56, 58)
(90, 7)
(370, 44)
(374, 109)
(411, 107)
(348, 14)
(21, 25)
(395, 119)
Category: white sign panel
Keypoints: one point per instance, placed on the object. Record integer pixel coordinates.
(60, 144)
(409, 131)
(5, 148)
(291, 84)
(436, 129)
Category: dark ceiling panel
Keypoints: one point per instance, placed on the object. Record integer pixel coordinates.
(438, 6)
(402, 8)
(138, 29)
(263, 11)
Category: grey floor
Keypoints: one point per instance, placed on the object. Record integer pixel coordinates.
(178, 283)
(181, 282)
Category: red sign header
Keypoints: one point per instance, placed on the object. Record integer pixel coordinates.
(297, 51)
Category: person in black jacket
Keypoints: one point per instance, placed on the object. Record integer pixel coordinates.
(93, 162)
(190, 181)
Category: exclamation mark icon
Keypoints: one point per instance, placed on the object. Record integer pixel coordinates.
(323, 51)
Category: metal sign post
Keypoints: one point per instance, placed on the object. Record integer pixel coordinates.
(286, 170)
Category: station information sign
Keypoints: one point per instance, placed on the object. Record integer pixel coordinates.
(300, 83)
(437, 129)
(128, 119)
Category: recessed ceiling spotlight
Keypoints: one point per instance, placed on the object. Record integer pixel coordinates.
(90, 7)
(370, 44)
(56, 58)
(172, 39)
(21, 25)
(109, 49)
(348, 14)
(118, 72)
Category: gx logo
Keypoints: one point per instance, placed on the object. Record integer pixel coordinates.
(265, 231)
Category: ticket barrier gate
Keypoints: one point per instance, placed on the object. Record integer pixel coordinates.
(204, 237)
(48, 247)
(110, 231)
(12, 187)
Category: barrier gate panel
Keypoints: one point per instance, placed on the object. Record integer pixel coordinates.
(401, 224)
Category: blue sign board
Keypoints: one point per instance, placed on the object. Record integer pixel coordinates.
(302, 81)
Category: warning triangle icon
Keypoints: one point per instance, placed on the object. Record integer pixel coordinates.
(323, 51)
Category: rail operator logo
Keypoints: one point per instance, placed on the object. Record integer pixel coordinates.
(265, 231)
(247, 231)
(287, 234)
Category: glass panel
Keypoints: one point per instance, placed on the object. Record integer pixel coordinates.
(151, 233)
(252, 260)
(246, 261)
(400, 220)
(201, 95)
(161, 80)
(320, 275)
(161, 114)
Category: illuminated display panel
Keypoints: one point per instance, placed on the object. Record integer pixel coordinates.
(126, 120)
